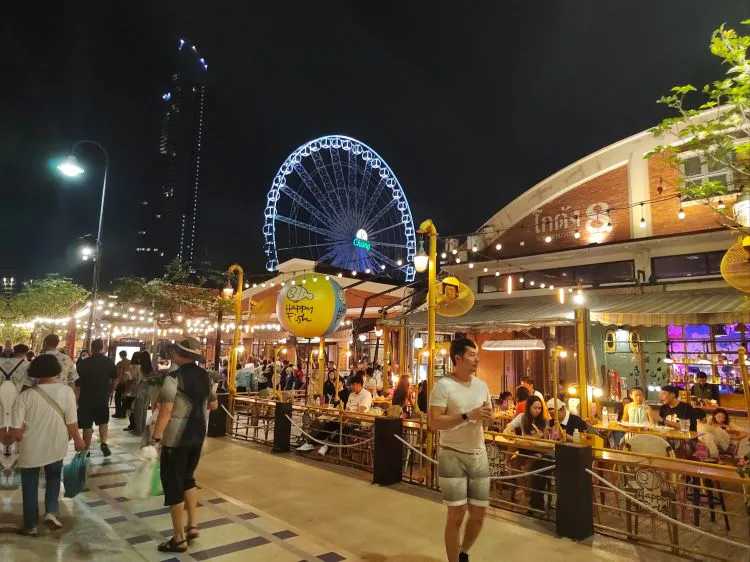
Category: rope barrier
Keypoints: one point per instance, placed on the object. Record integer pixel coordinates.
(227, 411)
(664, 516)
(508, 477)
(420, 453)
(269, 424)
(521, 474)
(335, 445)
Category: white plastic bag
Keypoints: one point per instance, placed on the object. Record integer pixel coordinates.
(141, 483)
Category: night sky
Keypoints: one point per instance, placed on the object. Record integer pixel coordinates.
(470, 103)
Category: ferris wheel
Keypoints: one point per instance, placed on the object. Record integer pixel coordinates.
(335, 200)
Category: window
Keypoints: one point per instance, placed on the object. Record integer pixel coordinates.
(696, 171)
(599, 274)
(686, 265)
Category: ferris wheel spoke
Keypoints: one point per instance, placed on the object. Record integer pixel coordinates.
(306, 226)
(372, 201)
(318, 193)
(351, 159)
(387, 244)
(385, 258)
(380, 214)
(320, 167)
(319, 214)
(364, 184)
(389, 227)
(338, 174)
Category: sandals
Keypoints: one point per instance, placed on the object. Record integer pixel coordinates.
(172, 546)
(191, 533)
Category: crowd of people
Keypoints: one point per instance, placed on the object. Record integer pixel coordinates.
(48, 400)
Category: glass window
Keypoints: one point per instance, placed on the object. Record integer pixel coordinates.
(697, 171)
(595, 274)
(489, 284)
(686, 265)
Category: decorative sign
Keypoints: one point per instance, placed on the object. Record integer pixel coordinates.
(360, 240)
(311, 306)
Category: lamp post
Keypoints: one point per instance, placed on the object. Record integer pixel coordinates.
(234, 269)
(428, 262)
(71, 168)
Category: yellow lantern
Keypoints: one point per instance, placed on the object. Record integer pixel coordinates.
(311, 306)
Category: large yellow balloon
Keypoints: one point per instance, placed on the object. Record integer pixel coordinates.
(311, 306)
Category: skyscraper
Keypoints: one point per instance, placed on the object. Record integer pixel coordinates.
(170, 210)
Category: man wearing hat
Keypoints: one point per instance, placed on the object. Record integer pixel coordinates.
(185, 398)
(569, 422)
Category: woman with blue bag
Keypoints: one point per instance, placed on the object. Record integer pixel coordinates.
(45, 418)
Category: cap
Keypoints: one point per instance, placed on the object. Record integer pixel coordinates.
(551, 404)
(190, 346)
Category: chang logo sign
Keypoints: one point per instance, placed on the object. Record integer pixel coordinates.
(360, 240)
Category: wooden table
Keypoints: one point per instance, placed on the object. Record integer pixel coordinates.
(671, 434)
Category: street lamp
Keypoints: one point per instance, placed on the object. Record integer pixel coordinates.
(71, 168)
(421, 260)
(87, 252)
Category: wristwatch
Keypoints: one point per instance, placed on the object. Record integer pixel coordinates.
(464, 417)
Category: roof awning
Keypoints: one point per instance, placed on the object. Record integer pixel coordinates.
(662, 309)
(720, 306)
(513, 345)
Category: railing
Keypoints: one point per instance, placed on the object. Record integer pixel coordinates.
(691, 509)
(685, 507)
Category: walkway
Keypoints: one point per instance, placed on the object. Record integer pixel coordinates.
(259, 506)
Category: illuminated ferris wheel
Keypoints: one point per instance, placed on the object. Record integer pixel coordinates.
(335, 200)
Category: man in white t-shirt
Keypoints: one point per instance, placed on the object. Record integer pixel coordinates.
(68, 375)
(360, 399)
(458, 405)
(44, 420)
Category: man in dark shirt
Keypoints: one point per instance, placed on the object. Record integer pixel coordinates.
(701, 389)
(569, 422)
(96, 378)
(672, 407)
(185, 398)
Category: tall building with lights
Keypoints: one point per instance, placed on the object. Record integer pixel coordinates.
(170, 210)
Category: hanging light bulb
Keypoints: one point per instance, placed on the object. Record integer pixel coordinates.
(681, 213)
(227, 291)
(578, 298)
(721, 206)
(471, 265)
(521, 280)
(399, 262)
(454, 251)
(443, 255)
(458, 260)
(542, 285)
(367, 270)
(474, 248)
(497, 274)
(577, 234)
(548, 239)
(498, 247)
(382, 267)
(485, 270)
(643, 218)
(421, 260)
(354, 272)
(522, 243)
(340, 275)
(532, 283)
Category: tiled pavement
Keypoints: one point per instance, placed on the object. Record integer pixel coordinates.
(102, 524)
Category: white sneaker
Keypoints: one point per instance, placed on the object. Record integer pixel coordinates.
(305, 447)
(52, 521)
(323, 450)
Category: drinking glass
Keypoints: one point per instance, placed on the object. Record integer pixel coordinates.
(612, 417)
(685, 426)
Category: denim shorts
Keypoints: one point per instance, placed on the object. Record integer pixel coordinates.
(464, 477)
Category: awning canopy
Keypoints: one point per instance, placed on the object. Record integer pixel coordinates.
(513, 345)
(720, 306)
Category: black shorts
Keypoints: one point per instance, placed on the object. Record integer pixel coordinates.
(88, 415)
(177, 469)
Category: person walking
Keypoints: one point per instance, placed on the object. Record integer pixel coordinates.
(146, 391)
(68, 375)
(458, 405)
(44, 420)
(96, 379)
(180, 429)
(13, 379)
(123, 367)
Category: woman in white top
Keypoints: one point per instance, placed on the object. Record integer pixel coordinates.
(638, 411)
(44, 420)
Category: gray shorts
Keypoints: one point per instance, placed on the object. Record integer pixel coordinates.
(464, 477)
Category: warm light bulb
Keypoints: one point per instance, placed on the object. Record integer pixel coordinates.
(643, 222)
(548, 239)
(471, 266)
(474, 249)
(421, 260)
(578, 298)
(399, 262)
(485, 270)
(681, 214)
(443, 255)
(576, 235)
(498, 247)
(454, 251)
(497, 274)
(458, 260)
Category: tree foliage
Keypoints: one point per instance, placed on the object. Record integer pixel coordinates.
(49, 297)
(716, 128)
(179, 291)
